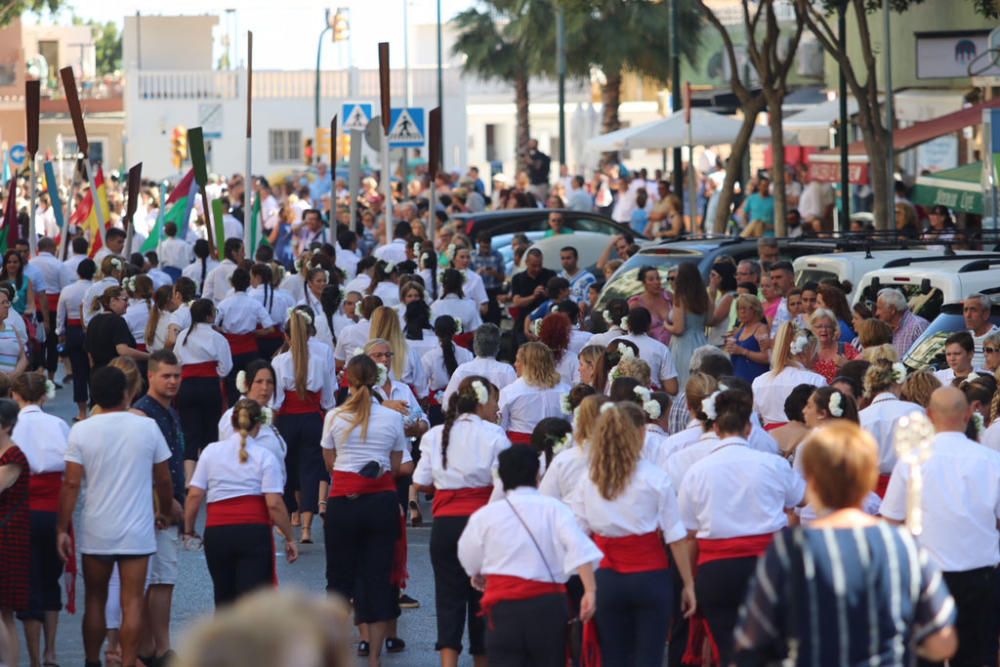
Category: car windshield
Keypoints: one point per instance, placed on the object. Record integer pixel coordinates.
(813, 276)
(625, 282)
(929, 351)
(927, 306)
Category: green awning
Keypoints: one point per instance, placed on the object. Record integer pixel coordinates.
(960, 189)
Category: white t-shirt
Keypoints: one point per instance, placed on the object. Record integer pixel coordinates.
(117, 451)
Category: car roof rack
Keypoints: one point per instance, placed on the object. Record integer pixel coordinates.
(907, 261)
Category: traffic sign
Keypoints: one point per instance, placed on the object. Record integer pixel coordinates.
(18, 153)
(406, 128)
(356, 115)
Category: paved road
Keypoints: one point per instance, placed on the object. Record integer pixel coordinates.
(193, 594)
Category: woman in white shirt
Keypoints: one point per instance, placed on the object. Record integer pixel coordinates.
(883, 385)
(203, 265)
(384, 283)
(535, 395)
(205, 360)
(112, 271)
(793, 351)
(555, 333)
(69, 326)
(454, 302)
(241, 318)
(158, 324)
(257, 383)
(457, 461)
(363, 444)
(305, 383)
(417, 329)
(140, 293)
(569, 465)
(405, 365)
(242, 483)
(185, 292)
(630, 508)
(439, 365)
(652, 351)
(329, 319)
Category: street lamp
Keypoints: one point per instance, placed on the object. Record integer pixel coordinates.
(340, 26)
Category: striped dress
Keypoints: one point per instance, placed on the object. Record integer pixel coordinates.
(10, 348)
(838, 597)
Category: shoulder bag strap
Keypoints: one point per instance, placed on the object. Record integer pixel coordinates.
(533, 540)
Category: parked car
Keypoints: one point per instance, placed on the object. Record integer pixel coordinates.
(852, 266)
(928, 349)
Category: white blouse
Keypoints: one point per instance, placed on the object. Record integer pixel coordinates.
(770, 391)
(136, 317)
(464, 309)
(523, 405)
(434, 368)
(321, 375)
(879, 419)
(499, 373)
(201, 344)
(43, 438)
(385, 436)
(268, 437)
(473, 448)
(567, 469)
(657, 355)
(221, 475)
(240, 313)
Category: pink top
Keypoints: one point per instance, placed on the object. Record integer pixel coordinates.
(657, 327)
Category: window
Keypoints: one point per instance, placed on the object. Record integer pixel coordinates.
(284, 145)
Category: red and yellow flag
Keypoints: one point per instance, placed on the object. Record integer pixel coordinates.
(85, 215)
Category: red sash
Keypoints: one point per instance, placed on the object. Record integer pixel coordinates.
(205, 369)
(238, 511)
(353, 484)
(53, 300)
(633, 553)
(502, 587)
(519, 438)
(275, 333)
(773, 425)
(733, 547)
(464, 339)
(460, 502)
(882, 485)
(296, 405)
(70, 322)
(245, 343)
(43, 492)
(141, 347)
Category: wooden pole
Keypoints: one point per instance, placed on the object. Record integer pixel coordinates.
(385, 94)
(76, 114)
(32, 94)
(249, 243)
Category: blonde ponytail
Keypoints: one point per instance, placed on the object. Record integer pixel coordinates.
(616, 446)
(299, 346)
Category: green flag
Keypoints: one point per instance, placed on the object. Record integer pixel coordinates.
(257, 237)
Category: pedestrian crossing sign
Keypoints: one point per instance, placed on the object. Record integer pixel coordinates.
(356, 115)
(406, 127)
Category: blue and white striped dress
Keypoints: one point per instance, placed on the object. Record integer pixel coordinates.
(10, 348)
(841, 597)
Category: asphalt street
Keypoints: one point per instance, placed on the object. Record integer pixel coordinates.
(193, 594)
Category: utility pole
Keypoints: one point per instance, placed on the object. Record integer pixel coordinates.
(890, 118)
(319, 51)
(675, 96)
(842, 133)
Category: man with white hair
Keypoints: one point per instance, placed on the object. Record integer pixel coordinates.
(976, 311)
(706, 359)
(892, 308)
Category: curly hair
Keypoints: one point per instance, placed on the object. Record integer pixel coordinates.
(879, 378)
(538, 366)
(555, 333)
(919, 386)
(616, 447)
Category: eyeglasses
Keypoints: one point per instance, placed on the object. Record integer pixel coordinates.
(987, 350)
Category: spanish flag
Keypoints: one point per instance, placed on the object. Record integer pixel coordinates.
(86, 217)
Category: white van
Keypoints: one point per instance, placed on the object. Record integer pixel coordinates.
(930, 282)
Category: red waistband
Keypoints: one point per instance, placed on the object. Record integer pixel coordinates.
(773, 425)
(53, 300)
(633, 553)
(70, 322)
(43, 491)
(733, 547)
(353, 484)
(464, 339)
(205, 369)
(243, 343)
(502, 587)
(882, 485)
(518, 438)
(296, 405)
(141, 347)
(460, 502)
(238, 511)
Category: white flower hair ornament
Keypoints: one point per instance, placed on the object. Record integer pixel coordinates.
(117, 264)
(383, 374)
(643, 393)
(977, 419)
(708, 407)
(606, 314)
(416, 249)
(800, 344)
(898, 373)
(450, 251)
(301, 313)
(50, 389)
(241, 382)
(266, 416)
(358, 352)
(565, 405)
(972, 377)
(327, 274)
(388, 268)
(624, 324)
(835, 406)
(615, 373)
(652, 408)
(624, 350)
(606, 407)
(129, 284)
(562, 443)
(536, 326)
(482, 394)
(458, 325)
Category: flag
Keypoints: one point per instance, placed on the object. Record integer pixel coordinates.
(9, 233)
(177, 209)
(53, 187)
(257, 237)
(85, 215)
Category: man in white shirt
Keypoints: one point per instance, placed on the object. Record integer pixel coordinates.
(624, 202)
(79, 248)
(346, 250)
(114, 244)
(121, 456)
(961, 505)
(45, 217)
(175, 254)
(486, 345)
(782, 281)
(395, 252)
(217, 282)
(976, 311)
(51, 271)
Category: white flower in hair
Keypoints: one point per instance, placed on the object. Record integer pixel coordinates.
(643, 393)
(723, 387)
(450, 252)
(615, 373)
(241, 382)
(536, 326)
(624, 350)
(416, 249)
(358, 352)
(972, 376)
(652, 408)
(977, 419)
(606, 314)
(117, 264)
(50, 389)
(327, 274)
(800, 344)
(624, 324)
(266, 416)
(389, 267)
(458, 325)
(482, 394)
(607, 406)
(565, 405)
(708, 407)
(383, 374)
(835, 406)
(898, 373)
(562, 443)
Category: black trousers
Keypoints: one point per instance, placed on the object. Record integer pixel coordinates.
(46, 568)
(455, 600)
(199, 403)
(360, 535)
(303, 460)
(721, 588)
(528, 633)
(633, 616)
(78, 362)
(677, 642)
(240, 559)
(269, 346)
(50, 350)
(975, 593)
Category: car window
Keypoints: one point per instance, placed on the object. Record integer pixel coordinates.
(626, 283)
(588, 224)
(929, 352)
(927, 306)
(813, 276)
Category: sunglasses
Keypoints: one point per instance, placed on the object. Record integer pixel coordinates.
(991, 350)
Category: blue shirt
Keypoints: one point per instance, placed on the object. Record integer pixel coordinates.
(761, 208)
(639, 221)
(169, 423)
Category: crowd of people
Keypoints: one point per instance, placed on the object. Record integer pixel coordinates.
(708, 468)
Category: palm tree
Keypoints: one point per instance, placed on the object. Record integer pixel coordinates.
(509, 41)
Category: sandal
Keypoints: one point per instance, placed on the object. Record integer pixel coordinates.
(306, 537)
(113, 658)
(394, 645)
(322, 508)
(364, 649)
(416, 518)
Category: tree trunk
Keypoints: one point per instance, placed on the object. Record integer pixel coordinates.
(876, 139)
(611, 96)
(774, 122)
(521, 101)
(738, 148)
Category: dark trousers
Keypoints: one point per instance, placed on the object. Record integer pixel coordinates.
(493, 312)
(528, 633)
(240, 363)
(199, 403)
(975, 593)
(78, 362)
(455, 600)
(360, 534)
(678, 624)
(50, 350)
(46, 567)
(269, 346)
(240, 559)
(303, 460)
(633, 616)
(721, 588)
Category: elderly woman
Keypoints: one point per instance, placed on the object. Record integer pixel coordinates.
(991, 352)
(806, 595)
(749, 346)
(831, 354)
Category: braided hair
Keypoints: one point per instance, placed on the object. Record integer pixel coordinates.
(463, 402)
(445, 330)
(246, 414)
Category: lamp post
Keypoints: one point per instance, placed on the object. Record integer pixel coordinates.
(675, 96)
(319, 51)
(845, 199)
(890, 113)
